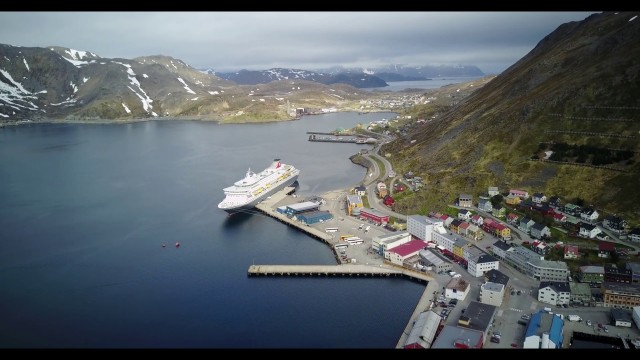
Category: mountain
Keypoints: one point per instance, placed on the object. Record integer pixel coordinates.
(411, 72)
(388, 76)
(574, 98)
(61, 83)
(254, 77)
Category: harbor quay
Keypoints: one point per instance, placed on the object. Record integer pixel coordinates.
(353, 260)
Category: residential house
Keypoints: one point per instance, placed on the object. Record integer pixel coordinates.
(554, 292)
(589, 215)
(571, 252)
(634, 235)
(360, 190)
(559, 217)
(538, 198)
(588, 230)
(477, 219)
(572, 209)
(635, 272)
(499, 211)
(555, 202)
(512, 218)
(614, 223)
(388, 200)
(605, 249)
(465, 200)
(381, 190)
(464, 214)
(463, 229)
(522, 194)
(526, 224)
(474, 232)
(512, 199)
(484, 204)
(540, 231)
(454, 225)
(493, 191)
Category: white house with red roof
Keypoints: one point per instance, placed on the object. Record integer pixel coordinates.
(522, 194)
(477, 219)
(571, 252)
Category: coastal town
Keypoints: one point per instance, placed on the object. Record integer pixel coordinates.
(504, 269)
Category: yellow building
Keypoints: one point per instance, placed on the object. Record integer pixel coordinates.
(353, 201)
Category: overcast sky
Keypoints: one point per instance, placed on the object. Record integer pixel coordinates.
(229, 41)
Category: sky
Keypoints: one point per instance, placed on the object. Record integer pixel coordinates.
(230, 41)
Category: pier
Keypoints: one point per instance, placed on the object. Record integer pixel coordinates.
(342, 139)
(338, 270)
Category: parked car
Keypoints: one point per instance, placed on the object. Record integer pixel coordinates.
(495, 339)
(588, 322)
(525, 317)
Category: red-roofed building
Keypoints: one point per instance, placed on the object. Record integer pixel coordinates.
(388, 200)
(605, 249)
(400, 253)
(571, 252)
(512, 218)
(496, 229)
(477, 219)
(559, 217)
(463, 228)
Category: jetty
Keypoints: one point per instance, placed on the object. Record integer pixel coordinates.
(339, 270)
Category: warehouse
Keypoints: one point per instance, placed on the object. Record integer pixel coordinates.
(620, 317)
(313, 217)
(298, 208)
(374, 215)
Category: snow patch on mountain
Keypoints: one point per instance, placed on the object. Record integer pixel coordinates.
(145, 76)
(25, 64)
(213, 92)
(186, 87)
(126, 108)
(74, 87)
(146, 100)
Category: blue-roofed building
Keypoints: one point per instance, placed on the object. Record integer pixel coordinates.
(298, 208)
(544, 331)
(313, 217)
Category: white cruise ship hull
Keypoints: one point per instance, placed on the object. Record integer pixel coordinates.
(247, 192)
(256, 200)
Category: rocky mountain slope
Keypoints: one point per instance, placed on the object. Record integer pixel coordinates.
(578, 89)
(61, 83)
(254, 77)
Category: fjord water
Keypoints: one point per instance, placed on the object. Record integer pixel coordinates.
(85, 210)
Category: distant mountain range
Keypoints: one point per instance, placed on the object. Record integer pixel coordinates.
(356, 77)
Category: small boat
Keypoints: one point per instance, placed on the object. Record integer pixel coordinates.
(164, 245)
(177, 244)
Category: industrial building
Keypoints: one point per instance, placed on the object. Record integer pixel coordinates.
(399, 254)
(620, 317)
(313, 217)
(432, 258)
(374, 216)
(544, 331)
(298, 208)
(423, 331)
(454, 337)
(382, 243)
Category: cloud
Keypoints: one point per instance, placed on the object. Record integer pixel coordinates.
(260, 40)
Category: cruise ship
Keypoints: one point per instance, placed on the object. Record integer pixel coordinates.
(253, 188)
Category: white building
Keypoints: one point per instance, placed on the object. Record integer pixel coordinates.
(533, 264)
(477, 266)
(464, 215)
(382, 243)
(500, 248)
(554, 292)
(493, 191)
(589, 231)
(421, 226)
(635, 315)
(400, 253)
(589, 215)
(457, 288)
(492, 293)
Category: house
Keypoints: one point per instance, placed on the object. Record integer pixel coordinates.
(605, 249)
(512, 218)
(493, 191)
(554, 292)
(398, 187)
(455, 224)
(388, 201)
(588, 231)
(353, 202)
(478, 265)
(463, 229)
(477, 219)
(484, 204)
(465, 200)
(559, 217)
(360, 190)
(589, 215)
(512, 199)
(457, 288)
(499, 211)
(634, 235)
(381, 190)
(522, 194)
(464, 214)
(571, 252)
(540, 231)
(526, 224)
(572, 209)
(614, 223)
(538, 198)
(555, 202)
(474, 232)
(499, 249)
